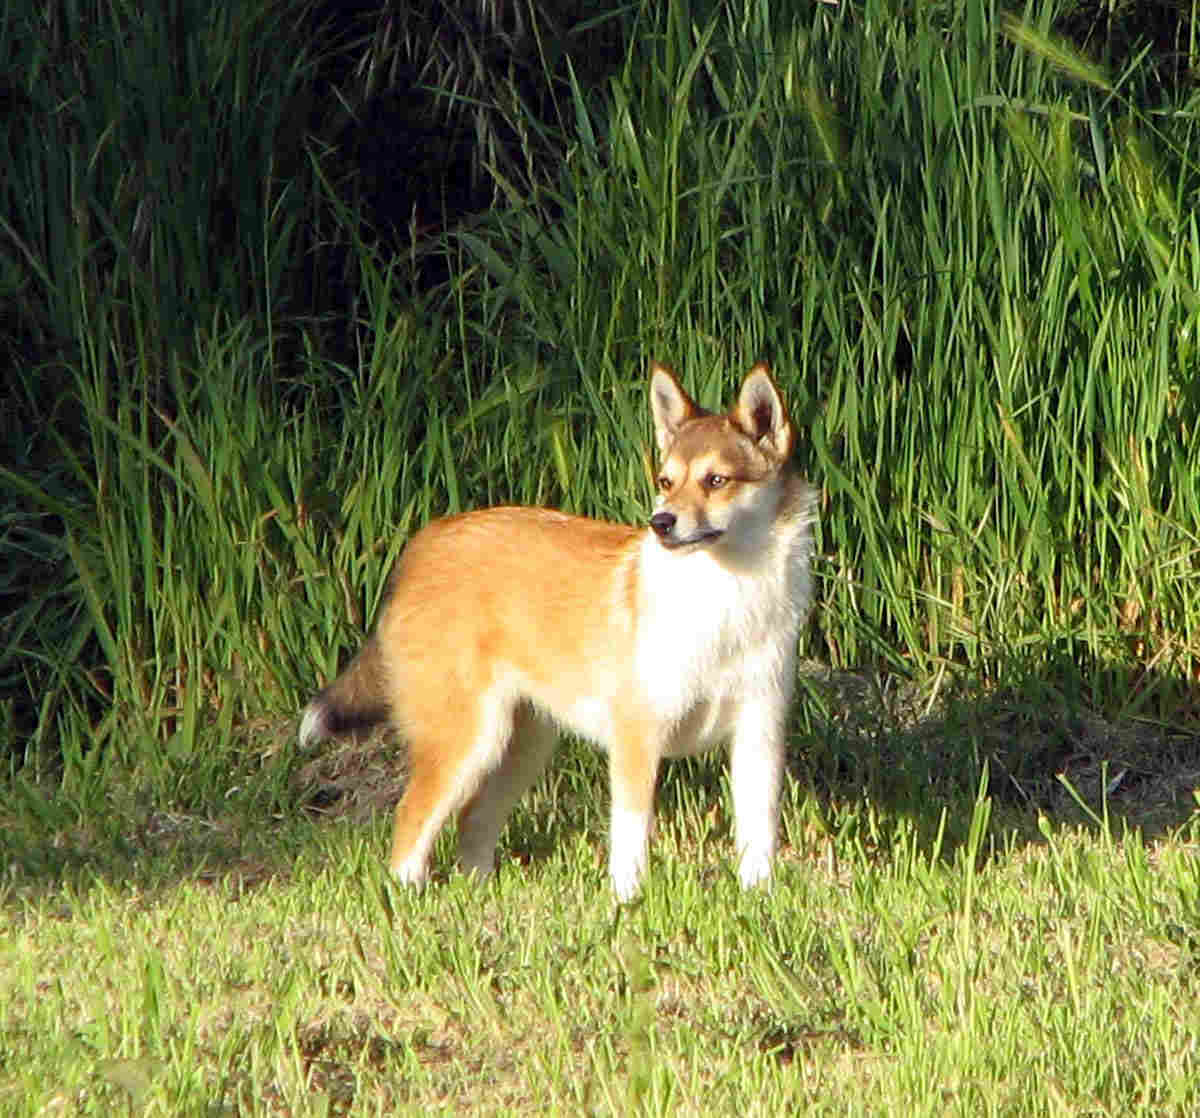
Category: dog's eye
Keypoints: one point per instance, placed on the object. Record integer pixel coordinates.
(664, 482)
(715, 481)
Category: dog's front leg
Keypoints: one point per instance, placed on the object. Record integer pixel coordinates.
(756, 774)
(633, 770)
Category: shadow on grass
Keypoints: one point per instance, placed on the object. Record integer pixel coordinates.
(915, 752)
(858, 741)
(131, 833)
(252, 831)
(150, 851)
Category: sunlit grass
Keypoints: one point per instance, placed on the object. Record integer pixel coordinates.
(280, 969)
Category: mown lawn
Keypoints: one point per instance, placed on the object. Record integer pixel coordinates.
(963, 957)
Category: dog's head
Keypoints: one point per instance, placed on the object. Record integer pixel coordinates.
(719, 474)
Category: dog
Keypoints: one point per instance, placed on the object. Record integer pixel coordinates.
(505, 625)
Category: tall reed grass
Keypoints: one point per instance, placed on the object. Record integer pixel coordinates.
(970, 254)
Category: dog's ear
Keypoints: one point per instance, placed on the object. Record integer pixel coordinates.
(761, 413)
(670, 406)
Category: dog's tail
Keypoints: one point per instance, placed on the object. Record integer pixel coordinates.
(356, 700)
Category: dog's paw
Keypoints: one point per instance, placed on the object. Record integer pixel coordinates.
(411, 872)
(628, 839)
(754, 868)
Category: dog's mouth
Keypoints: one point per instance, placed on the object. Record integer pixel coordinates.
(695, 540)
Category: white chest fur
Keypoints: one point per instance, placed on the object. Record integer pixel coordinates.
(712, 638)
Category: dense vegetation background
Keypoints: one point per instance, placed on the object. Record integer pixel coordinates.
(280, 281)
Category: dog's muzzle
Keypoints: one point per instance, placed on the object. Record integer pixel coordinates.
(663, 523)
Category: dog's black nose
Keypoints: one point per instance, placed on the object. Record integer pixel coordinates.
(663, 523)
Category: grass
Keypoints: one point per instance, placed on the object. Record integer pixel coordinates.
(268, 966)
(971, 254)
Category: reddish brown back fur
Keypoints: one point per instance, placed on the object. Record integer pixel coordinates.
(549, 578)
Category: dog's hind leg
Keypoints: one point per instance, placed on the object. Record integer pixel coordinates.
(484, 816)
(444, 775)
